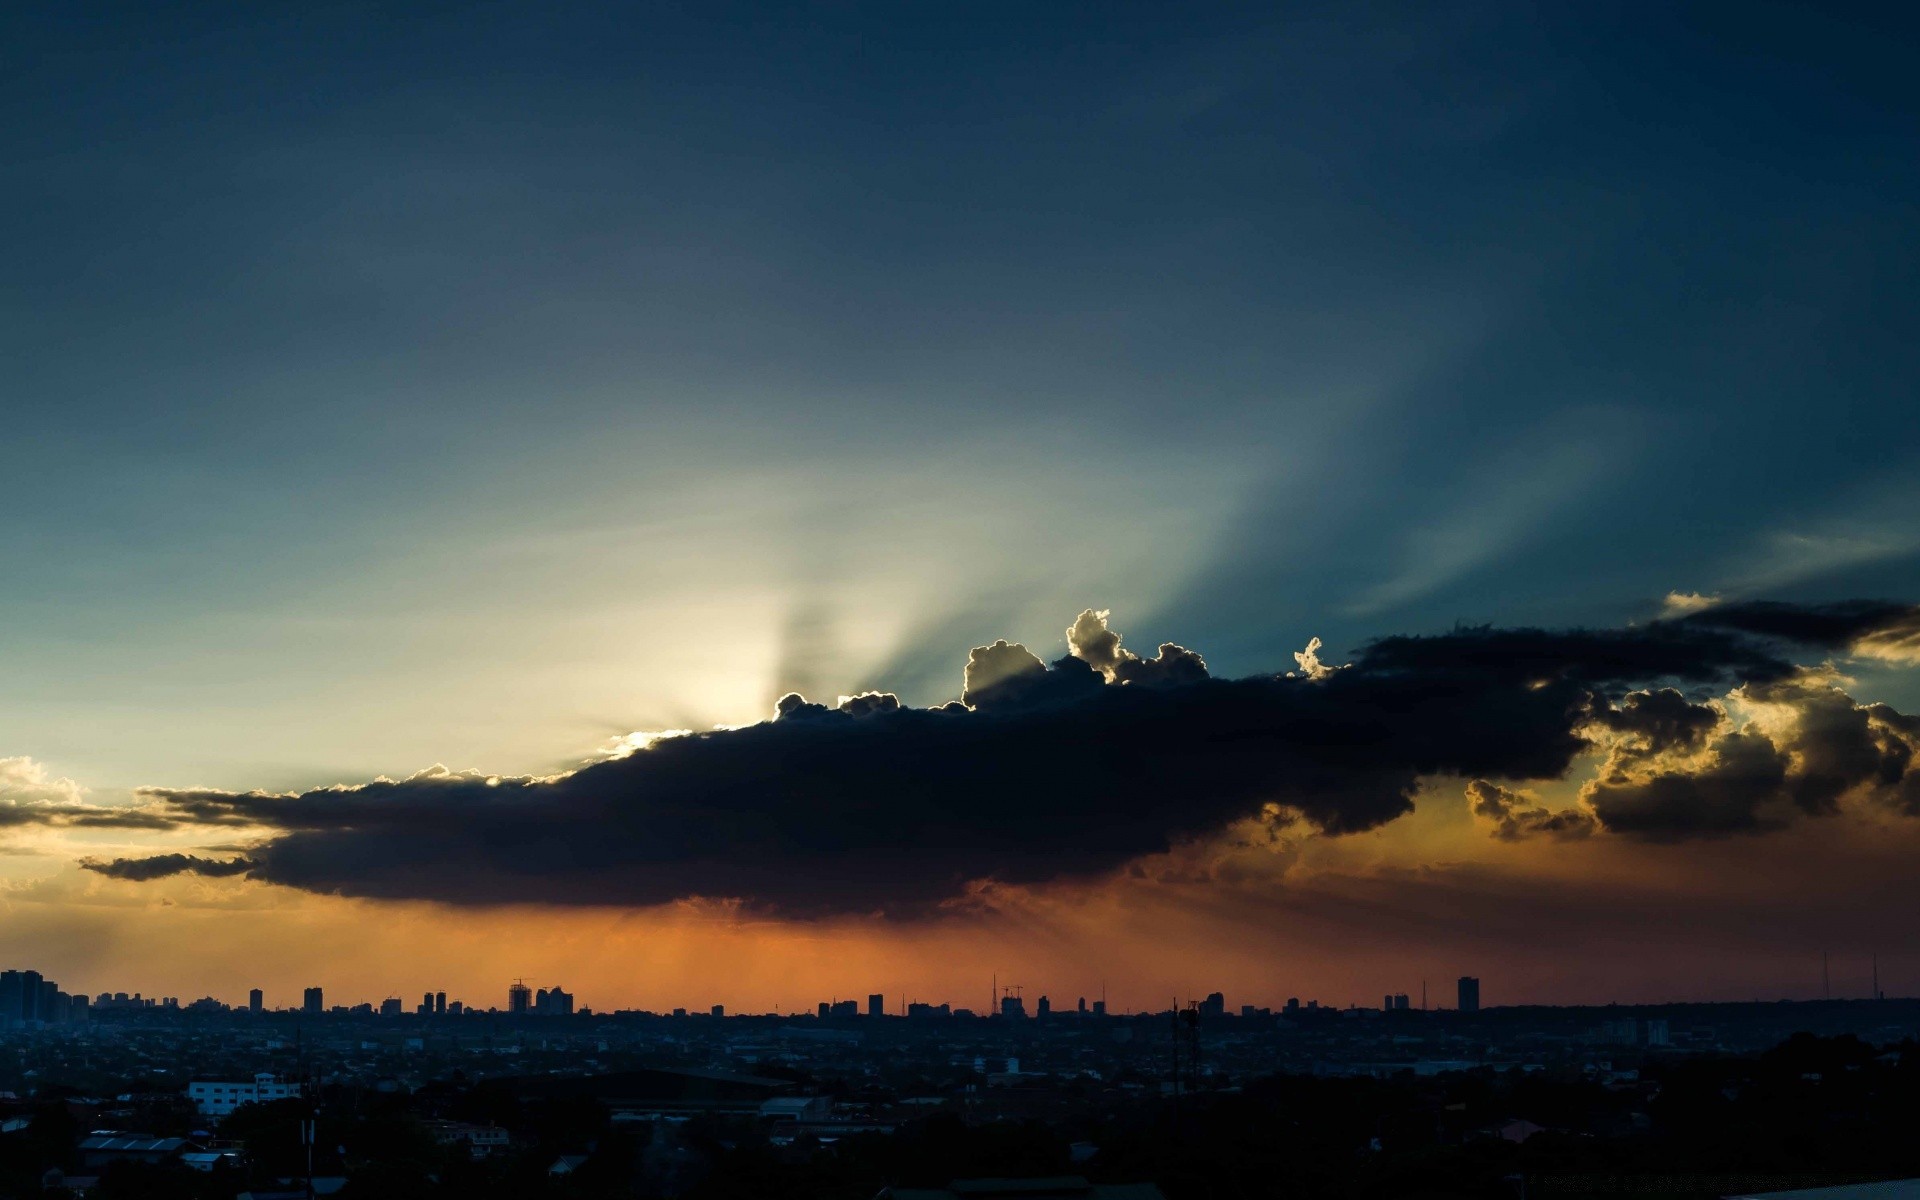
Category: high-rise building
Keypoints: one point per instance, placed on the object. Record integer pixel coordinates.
(256, 1000)
(825, 1010)
(1469, 994)
(1099, 1008)
(30, 982)
(1012, 1006)
(12, 998)
(877, 1004)
(313, 1001)
(390, 1007)
(439, 1003)
(719, 1010)
(1215, 1005)
(519, 998)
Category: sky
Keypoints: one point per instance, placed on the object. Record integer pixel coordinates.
(452, 392)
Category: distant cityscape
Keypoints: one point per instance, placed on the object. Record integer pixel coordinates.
(542, 1085)
(28, 998)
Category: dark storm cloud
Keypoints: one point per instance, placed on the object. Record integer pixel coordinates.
(1661, 721)
(1828, 626)
(1076, 767)
(160, 866)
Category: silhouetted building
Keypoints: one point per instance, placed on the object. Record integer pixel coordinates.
(1099, 1008)
(1044, 1008)
(439, 1003)
(1012, 1006)
(12, 998)
(390, 1007)
(1215, 1005)
(256, 1000)
(313, 1001)
(719, 1010)
(553, 1002)
(877, 1005)
(1469, 994)
(826, 1010)
(29, 1009)
(519, 999)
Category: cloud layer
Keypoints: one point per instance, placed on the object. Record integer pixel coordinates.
(1706, 725)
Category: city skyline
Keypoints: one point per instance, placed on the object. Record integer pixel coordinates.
(315, 999)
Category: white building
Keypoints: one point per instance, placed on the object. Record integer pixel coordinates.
(219, 1099)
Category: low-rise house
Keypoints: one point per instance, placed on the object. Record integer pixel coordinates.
(106, 1146)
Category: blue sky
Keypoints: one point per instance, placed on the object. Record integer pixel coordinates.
(477, 383)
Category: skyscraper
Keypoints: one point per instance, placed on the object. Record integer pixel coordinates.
(1469, 994)
(256, 1000)
(312, 1001)
(439, 1003)
(877, 1004)
(12, 998)
(519, 998)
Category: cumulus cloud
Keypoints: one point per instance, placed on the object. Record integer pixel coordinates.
(26, 782)
(1044, 771)
(1090, 640)
(1517, 816)
(30, 795)
(1678, 770)
(1679, 604)
(1309, 660)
